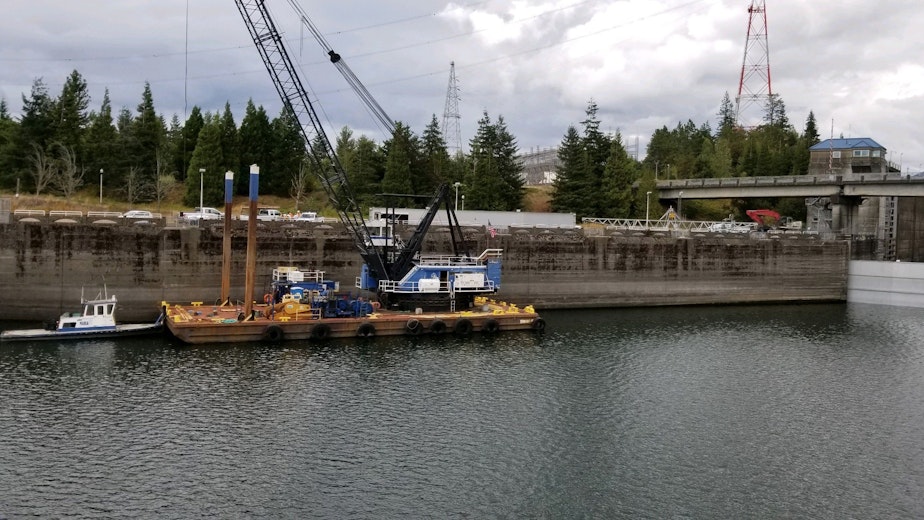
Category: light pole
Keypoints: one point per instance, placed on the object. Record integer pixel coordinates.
(101, 186)
(680, 206)
(456, 185)
(463, 202)
(201, 184)
(647, 198)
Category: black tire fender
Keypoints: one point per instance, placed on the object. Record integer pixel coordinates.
(273, 333)
(539, 324)
(437, 327)
(320, 331)
(463, 327)
(366, 330)
(490, 326)
(413, 327)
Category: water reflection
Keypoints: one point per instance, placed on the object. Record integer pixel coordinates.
(764, 411)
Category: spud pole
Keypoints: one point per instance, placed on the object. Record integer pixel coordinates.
(226, 242)
(251, 242)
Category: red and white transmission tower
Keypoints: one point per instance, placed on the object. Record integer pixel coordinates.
(754, 84)
(451, 118)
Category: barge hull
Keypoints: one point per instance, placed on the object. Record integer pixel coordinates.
(198, 324)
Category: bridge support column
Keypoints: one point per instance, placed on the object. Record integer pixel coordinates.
(845, 215)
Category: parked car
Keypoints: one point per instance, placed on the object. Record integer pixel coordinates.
(137, 213)
(268, 214)
(203, 214)
(308, 216)
(264, 214)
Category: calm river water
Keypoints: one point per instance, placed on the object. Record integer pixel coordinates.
(810, 411)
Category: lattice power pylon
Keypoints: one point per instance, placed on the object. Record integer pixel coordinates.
(452, 121)
(754, 84)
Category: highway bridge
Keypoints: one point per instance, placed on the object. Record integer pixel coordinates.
(834, 186)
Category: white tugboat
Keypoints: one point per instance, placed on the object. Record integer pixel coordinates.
(96, 320)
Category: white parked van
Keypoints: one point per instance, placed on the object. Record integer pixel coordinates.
(264, 214)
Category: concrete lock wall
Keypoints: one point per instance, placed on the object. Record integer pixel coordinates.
(45, 265)
(886, 283)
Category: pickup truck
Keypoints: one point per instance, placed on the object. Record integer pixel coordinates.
(264, 214)
(202, 214)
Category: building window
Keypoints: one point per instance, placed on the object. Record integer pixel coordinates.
(861, 153)
(876, 153)
(836, 154)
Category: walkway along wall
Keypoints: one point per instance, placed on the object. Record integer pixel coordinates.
(44, 265)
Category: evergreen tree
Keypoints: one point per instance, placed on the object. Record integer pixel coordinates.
(189, 137)
(494, 182)
(230, 143)
(256, 138)
(149, 132)
(481, 179)
(288, 152)
(618, 175)
(36, 129)
(9, 130)
(207, 156)
(810, 134)
(171, 150)
(569, 177)
(726, 117)
(367, 171)
(775, 112)
(71, 118)
(101, 142)
(400, 153)
(509, 197)
(435, 157)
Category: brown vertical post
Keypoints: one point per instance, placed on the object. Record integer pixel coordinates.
(226, 241)
(250, 276)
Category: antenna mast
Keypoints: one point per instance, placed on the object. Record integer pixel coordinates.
(754, 82)
(451, 118)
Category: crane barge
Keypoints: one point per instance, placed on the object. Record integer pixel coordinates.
(410, 293)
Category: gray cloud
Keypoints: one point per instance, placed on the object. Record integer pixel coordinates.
(536, 63)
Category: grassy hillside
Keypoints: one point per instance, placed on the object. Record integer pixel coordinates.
(537, 199)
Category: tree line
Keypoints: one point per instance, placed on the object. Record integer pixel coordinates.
(59, 144)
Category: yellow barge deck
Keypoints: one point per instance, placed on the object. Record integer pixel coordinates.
(199, 323)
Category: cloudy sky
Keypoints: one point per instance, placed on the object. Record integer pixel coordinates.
(646, 63)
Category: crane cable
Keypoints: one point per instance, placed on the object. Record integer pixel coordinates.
(371, 104)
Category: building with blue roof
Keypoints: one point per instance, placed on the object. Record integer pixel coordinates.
(848, 155)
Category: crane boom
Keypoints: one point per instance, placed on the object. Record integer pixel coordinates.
(296, 101)
(401, 278)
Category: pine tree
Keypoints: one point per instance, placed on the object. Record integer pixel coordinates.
(149, 132)
(726, 122)
(569, 178)
(287, 153)
(367, 170)
(810, 134)
(188, 139)
(9, 130)
(230, 143)
(509, 197)
(618, 176)
(399, 158)
(208, 157)
(256, 138)
(435, 157)
(71, 118)
(101, 142)
(36, 129)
